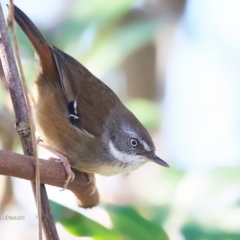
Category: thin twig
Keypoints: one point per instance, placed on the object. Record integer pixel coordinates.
(25, 91)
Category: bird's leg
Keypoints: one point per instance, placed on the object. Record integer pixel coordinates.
(61, 158)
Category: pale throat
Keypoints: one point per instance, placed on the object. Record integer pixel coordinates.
(121, 162)
(134, 161)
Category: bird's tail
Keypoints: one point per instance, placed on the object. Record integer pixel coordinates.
(35, 37)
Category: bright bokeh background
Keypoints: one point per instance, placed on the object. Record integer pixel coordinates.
(175, 64)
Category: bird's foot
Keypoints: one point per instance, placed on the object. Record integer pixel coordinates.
(62, 159)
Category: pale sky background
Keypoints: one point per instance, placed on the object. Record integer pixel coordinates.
(202, 113)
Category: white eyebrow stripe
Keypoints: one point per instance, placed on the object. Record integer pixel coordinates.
(126, 130)
(145, 145)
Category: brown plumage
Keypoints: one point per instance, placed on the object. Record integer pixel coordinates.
(82, 118)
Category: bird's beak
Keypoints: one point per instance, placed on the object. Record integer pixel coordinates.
(154, 158)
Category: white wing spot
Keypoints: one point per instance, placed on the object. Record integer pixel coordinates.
(75, 106)
(74, 116)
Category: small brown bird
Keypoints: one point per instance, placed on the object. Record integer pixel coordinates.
(81, 119)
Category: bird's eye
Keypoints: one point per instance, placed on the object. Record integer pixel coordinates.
(133, 142)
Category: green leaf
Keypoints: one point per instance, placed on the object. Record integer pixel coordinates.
(132, 225)
(127, 224)
(79, 225)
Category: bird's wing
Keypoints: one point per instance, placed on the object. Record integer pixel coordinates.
(88, 99)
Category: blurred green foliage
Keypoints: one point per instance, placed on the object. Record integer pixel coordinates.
(94, 34)
(127, 221)
(127, 224)
(80, 225)
(204, 207)
(193, 231)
